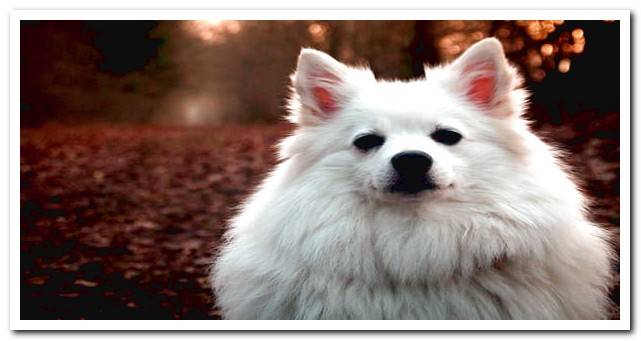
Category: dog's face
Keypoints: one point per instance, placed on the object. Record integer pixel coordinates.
(445, 136)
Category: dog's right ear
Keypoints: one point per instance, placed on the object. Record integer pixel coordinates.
(323, 84)
(483, 76)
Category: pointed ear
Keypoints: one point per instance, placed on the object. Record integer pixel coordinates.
(482, 74)
(322, 83)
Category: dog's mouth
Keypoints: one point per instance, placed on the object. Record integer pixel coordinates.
(412, 186)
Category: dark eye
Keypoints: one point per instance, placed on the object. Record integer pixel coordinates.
(369, 141)
(446, 136)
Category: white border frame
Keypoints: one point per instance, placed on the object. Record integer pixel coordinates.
(14, 172)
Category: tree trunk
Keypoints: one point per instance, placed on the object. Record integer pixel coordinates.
(422, 49)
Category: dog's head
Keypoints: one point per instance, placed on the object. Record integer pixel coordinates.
(447, 135)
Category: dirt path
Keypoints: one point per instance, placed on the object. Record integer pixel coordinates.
(119, 222)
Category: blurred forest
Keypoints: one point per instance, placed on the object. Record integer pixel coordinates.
(139, 138)
(202, 72)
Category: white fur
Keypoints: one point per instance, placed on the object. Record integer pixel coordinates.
(504, 237)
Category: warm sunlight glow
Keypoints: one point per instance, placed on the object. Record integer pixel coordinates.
(212, 22)
(318, 32)
(564, 65)
(212, 31)
(539, 29)
(547, 49)
(577, 33)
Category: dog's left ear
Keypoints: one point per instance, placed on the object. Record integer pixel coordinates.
(482, 75)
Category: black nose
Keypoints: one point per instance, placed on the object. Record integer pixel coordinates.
(412, 163)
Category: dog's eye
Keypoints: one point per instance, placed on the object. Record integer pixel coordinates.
(369, 141)
(446, 136)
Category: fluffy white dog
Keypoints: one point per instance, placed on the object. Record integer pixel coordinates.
(427, 199)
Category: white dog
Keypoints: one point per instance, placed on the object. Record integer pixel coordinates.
(427, 199)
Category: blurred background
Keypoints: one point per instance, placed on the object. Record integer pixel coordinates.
(138, 138)
(203, 72)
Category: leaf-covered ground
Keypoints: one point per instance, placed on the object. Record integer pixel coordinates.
(118, 222)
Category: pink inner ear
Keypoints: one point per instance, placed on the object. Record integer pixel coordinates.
(481, 85)
(324, 98)
(481, 90)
